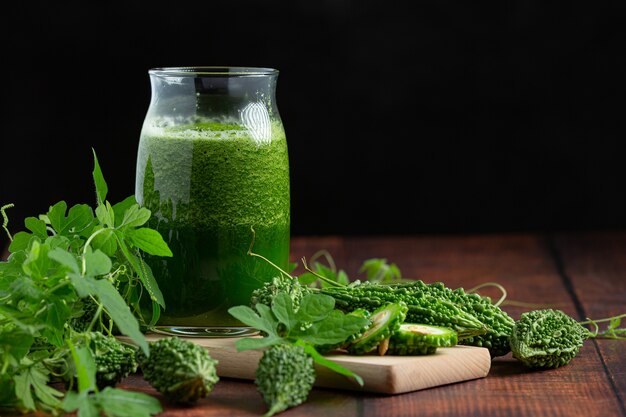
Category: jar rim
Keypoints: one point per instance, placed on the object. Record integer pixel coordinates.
(213, 71)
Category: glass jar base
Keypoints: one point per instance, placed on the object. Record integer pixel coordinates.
(193, 331)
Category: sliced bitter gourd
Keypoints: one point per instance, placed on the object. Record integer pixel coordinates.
(420, 339)
(385, 321)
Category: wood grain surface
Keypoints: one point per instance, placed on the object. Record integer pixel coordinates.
(583, 274)
(382, 374)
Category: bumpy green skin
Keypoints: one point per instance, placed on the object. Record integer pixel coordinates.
(476, 319)
(179, 369)
(284, 377)
(114, 360)
(281, 283)
(82, 323)
(547, 338)
(386, 320)
(359, 312)
(420, 339)
(500, 324)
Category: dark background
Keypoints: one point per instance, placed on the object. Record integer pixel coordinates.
(415, 117)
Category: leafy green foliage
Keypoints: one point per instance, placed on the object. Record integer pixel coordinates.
(315, 323)
(378, 270)
(324, 276)
(612, 331)
(64, 258)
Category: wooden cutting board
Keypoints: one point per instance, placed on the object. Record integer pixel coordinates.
(383, 374)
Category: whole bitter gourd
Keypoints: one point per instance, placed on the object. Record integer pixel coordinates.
(114, 360)
(284, 377)
(179, 369)
(500, 324)
(420, 339)
(547, 338)
(477, 321)
(386, 320)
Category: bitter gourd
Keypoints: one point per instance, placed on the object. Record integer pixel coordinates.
(422, 307)
(181, 370)
(547, 338)
(420, 339)
(500, 324)
(385, 321)
(281, 283)
(284, 377)
(477, 321)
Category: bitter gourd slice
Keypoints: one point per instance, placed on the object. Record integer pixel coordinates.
(385, 321)
(420, 339)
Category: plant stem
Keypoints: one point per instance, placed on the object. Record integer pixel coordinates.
(323, 278)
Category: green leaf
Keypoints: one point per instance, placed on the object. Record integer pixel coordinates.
(307, 278)
(37, 263)
(97, 263)
(105, 214)
(105, 241)
(135, 216)
(65, 258)
(282, 307)
(15, 343)
(56, 215)
(123, 403)
(101, 186)
(321, 360)
(151, 285)
(119, 311)
(249, 343)
(249, 317)
(334, 328)
(119, 209)
(37, 226)
(270, 322)
(58, 313)
(342, 277)
(149, 240)
(79, 217)
(83, 402)
(315, 307)
(142, 270)
(33, 379)
(20, 241)
(23, 287)
(378, 270)
(85, 367)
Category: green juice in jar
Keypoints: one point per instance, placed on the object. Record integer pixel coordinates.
(208, 185)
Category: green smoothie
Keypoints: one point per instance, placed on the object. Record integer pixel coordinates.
(207, 185)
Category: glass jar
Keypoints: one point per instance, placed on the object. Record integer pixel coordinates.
(213, 168)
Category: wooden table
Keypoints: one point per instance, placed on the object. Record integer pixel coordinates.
(583, 274)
